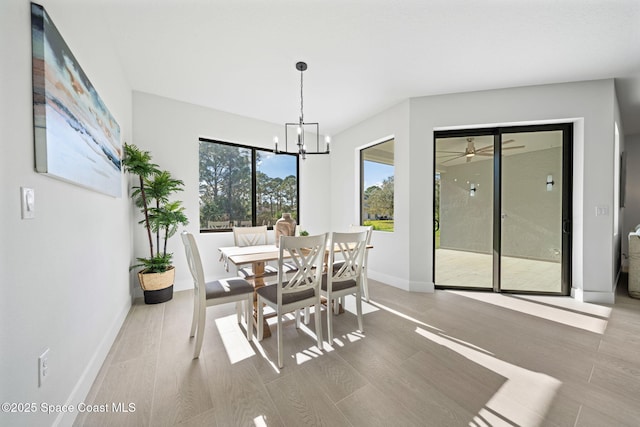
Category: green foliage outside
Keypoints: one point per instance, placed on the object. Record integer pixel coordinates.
(380, 224)
(378, 203)
(226, 189)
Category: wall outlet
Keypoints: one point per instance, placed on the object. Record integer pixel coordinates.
(43, 367)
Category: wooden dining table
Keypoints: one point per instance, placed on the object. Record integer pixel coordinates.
(258, 256)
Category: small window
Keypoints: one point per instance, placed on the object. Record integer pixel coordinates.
(377, 186)
(244, 186)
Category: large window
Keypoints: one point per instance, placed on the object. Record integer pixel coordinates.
(376, 185)
(243, 186)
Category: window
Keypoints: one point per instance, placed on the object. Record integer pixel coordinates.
(245, 186)
(376, 185)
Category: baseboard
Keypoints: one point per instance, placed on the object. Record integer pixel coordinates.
(89, 375)
(593, 297)
(396, 282)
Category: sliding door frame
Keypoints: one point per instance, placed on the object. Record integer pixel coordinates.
(567, 198)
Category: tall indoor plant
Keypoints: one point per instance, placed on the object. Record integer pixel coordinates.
(161, 218)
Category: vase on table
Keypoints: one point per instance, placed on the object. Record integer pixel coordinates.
(285, 226)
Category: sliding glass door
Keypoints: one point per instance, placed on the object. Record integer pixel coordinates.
(464, 211)
(531, 235)
(502, 207)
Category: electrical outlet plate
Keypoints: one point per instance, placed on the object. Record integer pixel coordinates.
(28, 200)
(43, 367)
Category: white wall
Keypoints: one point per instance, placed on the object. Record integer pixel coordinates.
(63, 275)
(170, 130)
(388, 261)
(589, 105)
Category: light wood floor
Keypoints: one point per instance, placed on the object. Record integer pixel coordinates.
(442, 359)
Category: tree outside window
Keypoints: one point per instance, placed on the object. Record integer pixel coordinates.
(245, 186)
(377, 186)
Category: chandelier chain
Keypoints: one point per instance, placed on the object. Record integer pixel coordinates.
(301, 98)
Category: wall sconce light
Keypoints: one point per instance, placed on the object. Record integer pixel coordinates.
(472, 189)
(550, 182)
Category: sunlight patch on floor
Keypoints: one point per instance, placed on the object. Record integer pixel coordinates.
(350, 305)
(570, 304)
(523, 400)
(404, 316)
(543, 311)
(234, 338)
(260, 421)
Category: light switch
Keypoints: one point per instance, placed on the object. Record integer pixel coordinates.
(602, 210)
(28, 203)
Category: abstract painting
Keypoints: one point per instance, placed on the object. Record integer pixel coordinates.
(76, 137)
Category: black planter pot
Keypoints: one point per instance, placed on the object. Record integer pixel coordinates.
(158, 296)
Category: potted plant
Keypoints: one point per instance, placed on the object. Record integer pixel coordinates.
(161, 218)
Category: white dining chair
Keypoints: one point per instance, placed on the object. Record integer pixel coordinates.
(344, 277)
(365, 283)
(299, 291)
(206, 294)
(252, 236)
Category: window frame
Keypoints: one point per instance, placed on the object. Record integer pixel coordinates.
(254, 181)
(361, 161)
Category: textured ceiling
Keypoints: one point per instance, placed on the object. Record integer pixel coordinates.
(364, 55)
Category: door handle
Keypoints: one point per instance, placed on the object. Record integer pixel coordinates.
(566, 226)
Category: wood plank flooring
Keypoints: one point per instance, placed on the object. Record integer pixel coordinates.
(441, 359)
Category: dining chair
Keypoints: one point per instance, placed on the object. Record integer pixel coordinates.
(252, 236)
(365, 283)
(344, 277)
(299, 291)
(206, 294)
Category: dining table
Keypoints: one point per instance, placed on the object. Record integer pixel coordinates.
(258, 256)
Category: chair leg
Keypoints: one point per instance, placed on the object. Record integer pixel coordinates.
(298, 318)
(280, 344)
(359, 309)
(318, 318)
(330, 308)
(200, 332)
(307, 315)
(248, 315)
(365, 286)
(260, 318)
(239, 311)
(196, 309)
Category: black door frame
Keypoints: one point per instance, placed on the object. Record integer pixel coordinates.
(567, 198)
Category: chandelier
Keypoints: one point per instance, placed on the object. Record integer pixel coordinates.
(302, 130)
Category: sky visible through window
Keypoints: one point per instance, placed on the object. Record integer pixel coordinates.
(277, 166)
(375, 173)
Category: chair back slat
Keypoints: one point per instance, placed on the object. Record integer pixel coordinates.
(307, 254)
(250, 236)
(194, 262)
(351, 247)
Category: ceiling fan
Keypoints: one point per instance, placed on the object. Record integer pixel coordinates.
(471, 151)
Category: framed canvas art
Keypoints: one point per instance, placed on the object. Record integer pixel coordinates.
(76, 137)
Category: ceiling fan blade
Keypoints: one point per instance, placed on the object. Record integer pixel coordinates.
(513, 148)
(456, 157)
(488, 147)
(508, 141)
(484, 154)
(456, 152)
